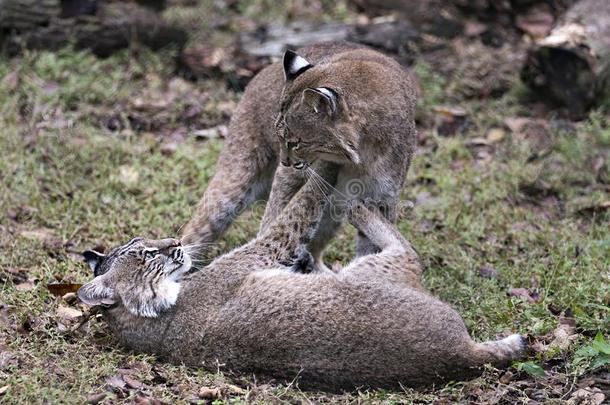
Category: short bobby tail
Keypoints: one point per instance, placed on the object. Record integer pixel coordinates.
(500, 352)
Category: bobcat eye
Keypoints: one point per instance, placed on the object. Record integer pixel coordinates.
(293, 145)
(150, 253)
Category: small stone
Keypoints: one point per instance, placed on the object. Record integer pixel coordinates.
(96, 398)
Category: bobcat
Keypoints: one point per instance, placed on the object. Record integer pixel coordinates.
(332, 104)
(369, 325)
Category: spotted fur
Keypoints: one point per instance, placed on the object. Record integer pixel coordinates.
(369, 325)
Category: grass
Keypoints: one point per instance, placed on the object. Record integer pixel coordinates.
(68, 182)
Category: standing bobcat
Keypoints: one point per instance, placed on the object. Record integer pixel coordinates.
(332, 104)
(368, 325)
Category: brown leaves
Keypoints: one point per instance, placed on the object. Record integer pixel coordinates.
(587, 396)
(209, 393)
(595, 209)
(488, 272)
(450, 120)
(527, 294)
(60, 290)
(536, 131)
(20, 278)
(11, 81)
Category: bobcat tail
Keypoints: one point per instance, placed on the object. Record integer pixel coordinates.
(500, 352)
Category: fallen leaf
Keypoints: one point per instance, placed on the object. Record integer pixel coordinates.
(96, 398)
(128, 175)
(40, 234)
(587, 396)
(537, 21)
(450, 121)
(506, 377)
(21, 213)
(209, 393)
(50, 87)
(234, 389)
(488, 272)
(495, 135)
(70, 298)
(7, 359)
(536, 131)
(116, 382)
(168, 148)
(67, 313)
(474, 28)
(27, 285)
(133, 383)
(4, 389)
(59, 290)
(11, 81)
(595, 209)
(530, 297)
(563, 337)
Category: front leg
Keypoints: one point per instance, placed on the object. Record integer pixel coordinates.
(301, 262)
(286, 182)
(298, 221)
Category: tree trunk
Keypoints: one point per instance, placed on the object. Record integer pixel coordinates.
(571, 66)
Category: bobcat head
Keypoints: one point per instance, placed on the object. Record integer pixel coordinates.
(143, 275)
(314, 121)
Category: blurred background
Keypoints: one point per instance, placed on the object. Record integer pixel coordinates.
(112, 114)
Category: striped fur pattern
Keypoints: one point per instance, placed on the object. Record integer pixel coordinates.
(144, 275)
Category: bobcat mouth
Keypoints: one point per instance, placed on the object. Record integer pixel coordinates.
(181, 262)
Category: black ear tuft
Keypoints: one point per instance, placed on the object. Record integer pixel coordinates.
(294, 65)
(93, 259)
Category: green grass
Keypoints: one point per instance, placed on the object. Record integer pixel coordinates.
(68, 187)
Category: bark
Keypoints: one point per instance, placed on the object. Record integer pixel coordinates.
(571, 66)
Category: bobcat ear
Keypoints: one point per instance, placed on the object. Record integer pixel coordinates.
(294, 65)
(93, 259)
(96, 292)
(321, 99)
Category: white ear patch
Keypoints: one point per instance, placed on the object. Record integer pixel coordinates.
(326, 92)
(297, 64)
(294, 65)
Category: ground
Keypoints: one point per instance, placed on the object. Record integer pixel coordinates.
(507, 205)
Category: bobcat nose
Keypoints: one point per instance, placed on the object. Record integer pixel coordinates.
(285, 161)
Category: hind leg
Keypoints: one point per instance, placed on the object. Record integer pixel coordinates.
(396, 262)
(386, 207)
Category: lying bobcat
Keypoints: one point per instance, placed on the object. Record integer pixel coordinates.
(368, 325)
(333, 104)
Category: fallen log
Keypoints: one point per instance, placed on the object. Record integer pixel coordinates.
(394, 37)
(101, 26)
(571, 66)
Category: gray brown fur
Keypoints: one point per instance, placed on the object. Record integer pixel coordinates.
(369, 137)
(369, 325)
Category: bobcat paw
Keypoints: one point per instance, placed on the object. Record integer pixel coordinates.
(302, 262)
